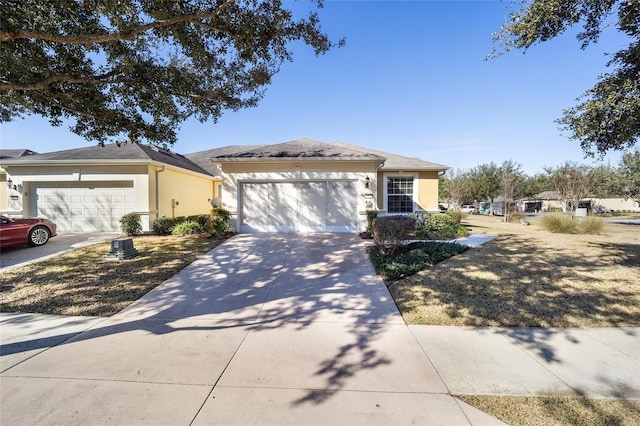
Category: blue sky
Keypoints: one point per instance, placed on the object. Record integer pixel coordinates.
(412, 80)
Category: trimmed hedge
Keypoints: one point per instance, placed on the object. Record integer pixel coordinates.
(412, 258)
(442, 225)
(216, 223)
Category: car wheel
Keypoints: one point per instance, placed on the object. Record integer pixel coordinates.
(39, 236)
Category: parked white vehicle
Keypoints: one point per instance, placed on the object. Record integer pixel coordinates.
(468, 208)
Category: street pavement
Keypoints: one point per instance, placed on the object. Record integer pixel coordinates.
(288, 329)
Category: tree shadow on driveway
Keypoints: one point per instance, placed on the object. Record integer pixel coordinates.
(247, 290)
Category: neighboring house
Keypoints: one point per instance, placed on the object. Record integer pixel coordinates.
(89, 189)
(544, 202)
(297, 186)
(549, 201)
(9, 190)
(601, 205)
(310, 186)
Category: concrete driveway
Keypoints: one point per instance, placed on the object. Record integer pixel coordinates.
(62, 243)
(264, 329)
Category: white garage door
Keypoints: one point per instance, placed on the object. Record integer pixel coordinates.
(82, 206)
(327, 206)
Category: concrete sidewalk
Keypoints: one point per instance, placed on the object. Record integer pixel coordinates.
(592, 363)
(264, 329)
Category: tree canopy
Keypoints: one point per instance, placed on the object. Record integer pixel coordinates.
(572, 183)
(607, 116)
(630, 170)
(134, 70)
(485, 181)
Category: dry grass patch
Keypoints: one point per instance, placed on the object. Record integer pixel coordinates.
(547, 411)
(84, 282)
(529, 277)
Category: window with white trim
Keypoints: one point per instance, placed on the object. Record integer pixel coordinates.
(400, 194)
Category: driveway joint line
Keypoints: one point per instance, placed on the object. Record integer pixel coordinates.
(429, 359)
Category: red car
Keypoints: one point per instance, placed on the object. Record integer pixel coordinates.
(32, 231)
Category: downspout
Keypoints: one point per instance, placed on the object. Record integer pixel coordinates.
(158, 171)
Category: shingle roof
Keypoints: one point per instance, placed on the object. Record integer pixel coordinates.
(202, 158)
(547, 195)
(112, 153)
(299, 149)
(15, 153)
(396, 162)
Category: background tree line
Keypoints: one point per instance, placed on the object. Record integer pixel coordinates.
(571, 181)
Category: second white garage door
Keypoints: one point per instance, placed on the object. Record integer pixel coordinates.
(79, 206)
(324, 206)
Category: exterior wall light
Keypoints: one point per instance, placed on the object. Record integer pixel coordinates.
(10, 185)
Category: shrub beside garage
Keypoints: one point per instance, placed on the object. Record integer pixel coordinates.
(217, 224)
(395, 257)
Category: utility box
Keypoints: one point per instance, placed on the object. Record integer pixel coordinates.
(122, 248)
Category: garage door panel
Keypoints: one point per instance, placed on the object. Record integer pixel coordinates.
(313, 206)
(104, 218)
(255, 202)
(283, 207)
(78, 206)
(341, 207)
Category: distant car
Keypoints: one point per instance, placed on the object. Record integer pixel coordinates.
(29, 231)
(469, 209)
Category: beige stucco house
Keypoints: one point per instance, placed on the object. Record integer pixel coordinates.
(310, 186)
(89, 189)
(297, 186)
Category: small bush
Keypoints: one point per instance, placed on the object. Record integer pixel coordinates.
(412, 258)
(371, 216)
(187, 228)
(392, 231)
(218, 223)
(201, 219)
(559, 224)
(164, 225)
(442, 225)
(455, 216)
(591, 225)
(565, 225)
(130, 224)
